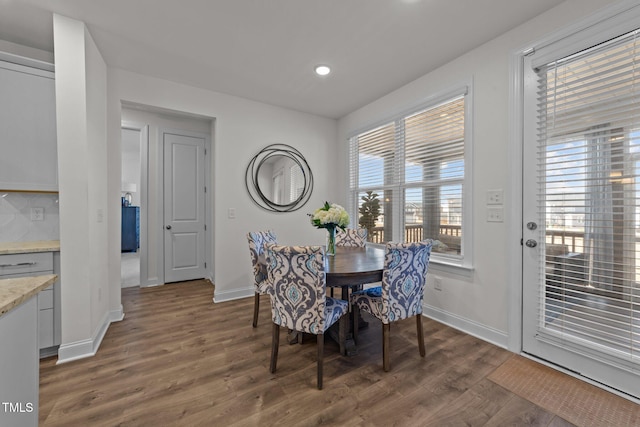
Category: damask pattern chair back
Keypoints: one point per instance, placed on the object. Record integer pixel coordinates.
(299, 300)
(257, 241)
(401, 292)
(351, 237)
(403, 280)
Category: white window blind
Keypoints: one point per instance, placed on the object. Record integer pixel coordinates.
(407, 177)
(589, 175)
(296, 183)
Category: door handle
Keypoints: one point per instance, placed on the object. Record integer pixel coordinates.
(531, 243)
(168, 227)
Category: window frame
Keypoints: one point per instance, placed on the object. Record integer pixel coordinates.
(458, 263)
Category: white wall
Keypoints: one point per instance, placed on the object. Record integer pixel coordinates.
(82, 176)
(477, 303)
(242, 128)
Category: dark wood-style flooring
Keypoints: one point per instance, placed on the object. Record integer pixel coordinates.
(179, 359)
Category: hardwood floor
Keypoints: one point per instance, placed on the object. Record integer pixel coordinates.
(179, 359)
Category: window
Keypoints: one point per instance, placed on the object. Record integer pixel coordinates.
(408, 177)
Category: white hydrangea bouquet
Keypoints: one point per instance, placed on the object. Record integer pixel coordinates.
(330, 216)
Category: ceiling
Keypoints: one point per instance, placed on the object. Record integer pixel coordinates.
(266, 50)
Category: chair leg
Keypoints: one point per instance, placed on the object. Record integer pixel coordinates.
(355, 311)
(342, 332)
(420, 334)
(275, 341)
(320, 359)
(256, 309)
(386, 328)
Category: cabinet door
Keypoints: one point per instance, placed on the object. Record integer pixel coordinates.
(27, 129)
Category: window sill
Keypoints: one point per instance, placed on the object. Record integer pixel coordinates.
(446, 266)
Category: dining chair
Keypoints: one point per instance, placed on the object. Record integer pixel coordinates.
(257, 240)
(299, 300)
(351, 237)
(400, 294)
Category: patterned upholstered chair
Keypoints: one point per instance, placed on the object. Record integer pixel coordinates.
(400, 295)
(351, 237)
(257, 240)
(299, 300)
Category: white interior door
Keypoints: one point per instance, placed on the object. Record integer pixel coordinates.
(184, 207)
(581, 179)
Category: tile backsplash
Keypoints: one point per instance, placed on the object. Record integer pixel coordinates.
(16, 224)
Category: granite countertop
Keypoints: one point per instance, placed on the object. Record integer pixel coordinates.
(14, 292)
(7, 248)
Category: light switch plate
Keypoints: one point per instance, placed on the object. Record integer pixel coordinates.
(495, 214)
(495, 197)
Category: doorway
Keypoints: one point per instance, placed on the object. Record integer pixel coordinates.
(154, 124)
(581, 211)
(133, 139)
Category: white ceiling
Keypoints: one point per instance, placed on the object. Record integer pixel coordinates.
(266, 50)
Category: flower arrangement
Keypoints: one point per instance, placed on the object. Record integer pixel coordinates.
(330, 216)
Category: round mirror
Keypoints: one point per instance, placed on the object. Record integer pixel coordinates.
(279, 179)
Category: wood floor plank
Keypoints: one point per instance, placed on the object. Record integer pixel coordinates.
(178, 359)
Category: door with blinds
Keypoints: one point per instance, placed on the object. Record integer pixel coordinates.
(581, 211)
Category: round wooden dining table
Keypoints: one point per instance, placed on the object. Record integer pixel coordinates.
(351, 267)
(354, 266)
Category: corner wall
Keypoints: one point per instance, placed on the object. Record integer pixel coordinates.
(82, 174)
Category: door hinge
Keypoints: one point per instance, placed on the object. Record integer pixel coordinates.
(205, 265)
(205, 188)
(205, 151)
(205, 227)
(521, 242)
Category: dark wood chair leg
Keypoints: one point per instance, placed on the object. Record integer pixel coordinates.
(386, 329)
(275, 341)
(355, 311)
(256, 309)
(420, 334)
(342, 332)
(320, 359)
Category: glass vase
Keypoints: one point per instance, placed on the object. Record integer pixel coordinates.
(331, 242)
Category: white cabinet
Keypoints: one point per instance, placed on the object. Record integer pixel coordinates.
(19, 366)
(36, 264)
(27, 129)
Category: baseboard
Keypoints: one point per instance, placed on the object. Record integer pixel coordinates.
(467, 326)
(222, 296)
(86, 348)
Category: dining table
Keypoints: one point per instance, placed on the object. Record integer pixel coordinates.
(349, 268)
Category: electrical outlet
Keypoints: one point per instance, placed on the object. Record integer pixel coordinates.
(437, 283)
(495, 197)
(37, 214)
(495, 214)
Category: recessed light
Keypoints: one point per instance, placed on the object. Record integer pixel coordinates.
(322, 70)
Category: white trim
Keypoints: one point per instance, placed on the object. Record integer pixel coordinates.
(233, 294)
(467, 326)
(513, 217)
(620, 19)
(462, 89)
(68, 352)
